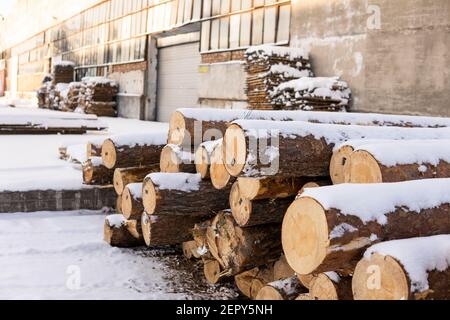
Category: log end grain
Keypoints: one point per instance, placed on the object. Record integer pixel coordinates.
(109, 154)
(177, 128)
(149, 196)
(212, 271)
(234, 150)
(218, 172)
(268, 293)
(118, 182)
(337, 164)
(202, 162)
(305, 235)
(380, 278)
(363, 168)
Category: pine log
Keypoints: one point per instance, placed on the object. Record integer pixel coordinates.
(320, 236)
(132, 206)
(189, 126)
(95, 173)
(167, 230)
(287, 149)
(330, 286)
(121, 233)
(269, 188)
(248, 213)
(123, 177)
(286, 289)
(182, 194)
(252, 281)
(410, 269)
(199, 235)
(125, 152)
(203, 157)
(399, 161)
(241, 249)
(306, 280)
(219, 175)
(213, 272)
(175, 159)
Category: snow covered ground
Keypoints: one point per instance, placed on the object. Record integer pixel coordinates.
(61, 255)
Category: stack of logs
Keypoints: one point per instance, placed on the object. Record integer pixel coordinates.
(267, 67)
(278, 228)
(63, 72)
(72, 99)
(98, 96)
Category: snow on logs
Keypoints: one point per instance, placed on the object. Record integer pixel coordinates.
(133, 150)
(327, 229)
(182, 194)
(193, 126)
(123, 177)
(175, 159)
(287, 149)
(122, 233)
(95, 173)
(416, 269)
(397, 161)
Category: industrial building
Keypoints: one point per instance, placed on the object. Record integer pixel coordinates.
(168, 54)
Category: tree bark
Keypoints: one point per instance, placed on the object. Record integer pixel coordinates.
(127, 234)
(123, 177)
(201, 201)
(364, 167)
(95, 173)
(126, 156)
(167, 230)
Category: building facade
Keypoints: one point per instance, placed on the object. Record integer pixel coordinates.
(168, 54)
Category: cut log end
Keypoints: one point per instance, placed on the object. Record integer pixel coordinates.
(127, 204)
(380, 278)
(218, 172)
(202, 162)
(118, 182)
(323, 288)
(88, 172)
(337, 164)
(234, 150)
(305, 223)
(237, 204)
(363, 168)
(177, 129)
(146, 228)
(109, 154)
(212, 271)
(250, 187)
(170, 163)
(269, 293)
(149, 196)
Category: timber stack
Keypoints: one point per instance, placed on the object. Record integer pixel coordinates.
(267, 67)
(98, 96)
(63, 72)
(281, 222)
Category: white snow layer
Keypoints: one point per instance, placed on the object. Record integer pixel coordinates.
(157, 138)
(268, 50)
(64, 64)
(418, 256)
(185, 182)
(373, 202)
(211, 145)
(210, 114)
(135, 190)
(288, 72)
(335, 133)
(409, 152)
(116, 220)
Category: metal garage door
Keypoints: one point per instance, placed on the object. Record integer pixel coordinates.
(178, 79)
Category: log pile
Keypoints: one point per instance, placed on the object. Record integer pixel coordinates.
(287, 233)
(98, 96)
(63, 72)
(313, 94)
(267, 67)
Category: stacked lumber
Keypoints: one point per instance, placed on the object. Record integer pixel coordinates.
(63, 72)
(313, 93)
(72, 98)
(267, 67)
(98, 95)
(237, 214)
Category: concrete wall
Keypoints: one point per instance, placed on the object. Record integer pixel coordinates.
(131, 98)
(394, 54)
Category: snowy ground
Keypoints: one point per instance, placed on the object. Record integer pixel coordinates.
(61, 255)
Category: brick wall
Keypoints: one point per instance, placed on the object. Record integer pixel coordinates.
(225, 56)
